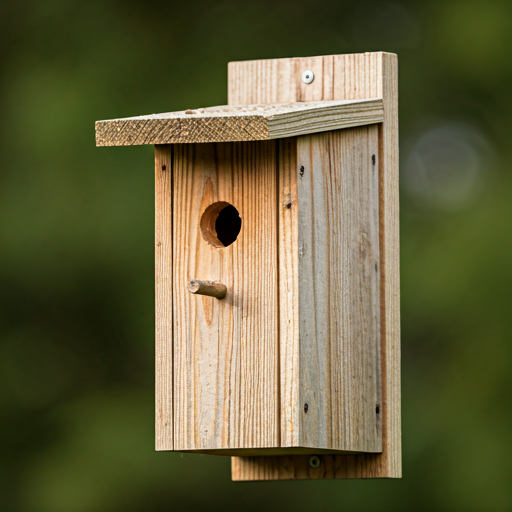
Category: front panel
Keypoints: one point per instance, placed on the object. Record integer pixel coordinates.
(226, 392)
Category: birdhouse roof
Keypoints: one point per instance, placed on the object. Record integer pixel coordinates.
(239, 123)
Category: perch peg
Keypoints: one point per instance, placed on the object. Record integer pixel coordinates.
(210, 288)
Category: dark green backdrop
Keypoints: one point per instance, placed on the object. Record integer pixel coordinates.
(76, 246)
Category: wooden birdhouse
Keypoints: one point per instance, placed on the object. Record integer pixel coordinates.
(277, 269)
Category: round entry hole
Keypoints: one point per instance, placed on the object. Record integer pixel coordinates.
(220, 224)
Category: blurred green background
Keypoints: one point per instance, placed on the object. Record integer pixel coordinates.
(76, 246)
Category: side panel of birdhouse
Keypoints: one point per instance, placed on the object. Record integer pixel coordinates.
(331, 391)
(339, 290)
(226, 352)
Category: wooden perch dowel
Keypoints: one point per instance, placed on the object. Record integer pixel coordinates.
(210, 288)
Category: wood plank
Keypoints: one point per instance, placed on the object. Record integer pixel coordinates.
(333, 260)
(275, 79)
(289, 293)
(297, 467)
(238, 123)
(163, 298)
(390, 464)
(226, 390)
(343, 77)
(339, 291)
(280, 80)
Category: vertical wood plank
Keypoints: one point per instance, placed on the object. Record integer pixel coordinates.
(275, 78)
(391, 462)
(353, 77)
(163, 299)
(322, 86)
(289, 293)
(226, 351)
(339, 334)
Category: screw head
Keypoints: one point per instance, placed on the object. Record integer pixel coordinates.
(308, 76)
(314, 461)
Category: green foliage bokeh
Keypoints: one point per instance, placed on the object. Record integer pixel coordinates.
(76, 246)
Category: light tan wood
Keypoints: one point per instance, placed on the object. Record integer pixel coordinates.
(238, 123)
(226, 390)
(289, 293)
(341, 77)
(339, 291)
(163, 299)
(209, 288)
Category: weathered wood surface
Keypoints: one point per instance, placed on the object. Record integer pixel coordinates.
(289, 356)
(339, 291)
(163, 299)
(226, 390)
(330, 291)
(238, 123)
(341, 77)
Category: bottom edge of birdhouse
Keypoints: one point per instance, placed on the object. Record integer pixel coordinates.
(315, 467)
(275, 451)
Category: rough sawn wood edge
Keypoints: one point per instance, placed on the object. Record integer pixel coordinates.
(239, 123)
(352, 76)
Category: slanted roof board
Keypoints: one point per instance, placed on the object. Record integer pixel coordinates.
(239, 123)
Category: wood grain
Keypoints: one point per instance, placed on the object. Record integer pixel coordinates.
(163, 299)
(339, 291)
(329, 291)
(289, 293)
(238, 123)
(226, 390)
(209, 288)
(296, 467)
(342, 77)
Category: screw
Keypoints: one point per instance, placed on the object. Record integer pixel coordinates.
(308, 76)
(314, 461)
